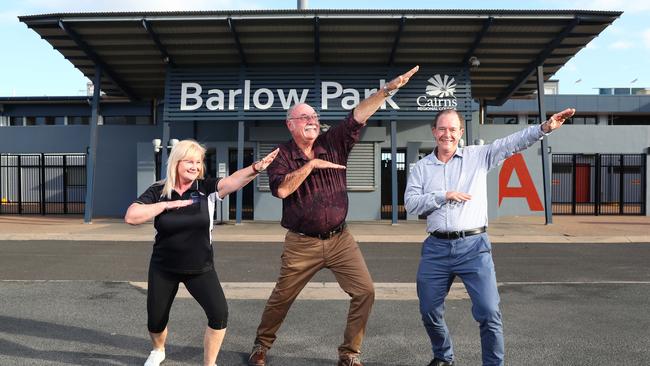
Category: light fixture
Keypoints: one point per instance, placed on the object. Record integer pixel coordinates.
(474, 61)
(157, 144)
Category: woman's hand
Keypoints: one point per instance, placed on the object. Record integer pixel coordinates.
(261, 165)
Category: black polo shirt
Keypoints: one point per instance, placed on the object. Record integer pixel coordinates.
(183, 242)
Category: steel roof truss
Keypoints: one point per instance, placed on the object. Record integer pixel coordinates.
(97, 60)
(477, 41)
(154, 37)
(539, 60)
(233, 30)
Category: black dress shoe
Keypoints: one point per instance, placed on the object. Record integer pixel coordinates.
(438, 362)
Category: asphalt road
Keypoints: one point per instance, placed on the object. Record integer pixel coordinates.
(260, 262)
(68, 303)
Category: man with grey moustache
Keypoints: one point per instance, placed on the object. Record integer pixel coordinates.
(309, 176)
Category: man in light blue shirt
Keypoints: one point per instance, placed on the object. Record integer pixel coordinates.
(450, 187)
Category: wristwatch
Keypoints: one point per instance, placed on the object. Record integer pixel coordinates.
(388, 93)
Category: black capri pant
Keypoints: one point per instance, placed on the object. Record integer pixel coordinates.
(204, 287)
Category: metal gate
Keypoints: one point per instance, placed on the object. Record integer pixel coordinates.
(599, 184)
(42, 183)
(387, 184)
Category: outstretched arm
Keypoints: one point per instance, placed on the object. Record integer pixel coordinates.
(243, 176)
(139, 213)
(504, 147)
(369, 106)
(293, 180)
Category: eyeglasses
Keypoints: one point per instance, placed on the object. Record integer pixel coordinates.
(306, 118)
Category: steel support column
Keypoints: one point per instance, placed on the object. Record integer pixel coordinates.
(92, 149)
(240, 165)
(164, 153)
(546, 167)
(393, 170)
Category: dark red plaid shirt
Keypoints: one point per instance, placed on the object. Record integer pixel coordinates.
(320, 203)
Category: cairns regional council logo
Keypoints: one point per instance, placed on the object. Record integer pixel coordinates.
(440, 94)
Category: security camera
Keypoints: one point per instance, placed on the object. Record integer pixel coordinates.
(474, 61)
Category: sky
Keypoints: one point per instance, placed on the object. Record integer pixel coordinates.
(29, 66)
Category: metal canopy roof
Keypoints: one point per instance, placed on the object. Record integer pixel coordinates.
(135, 48)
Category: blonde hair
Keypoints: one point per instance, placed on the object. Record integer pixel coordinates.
(179, 152)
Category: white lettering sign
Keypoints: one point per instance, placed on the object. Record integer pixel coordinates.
(264, 98)
(196, 96)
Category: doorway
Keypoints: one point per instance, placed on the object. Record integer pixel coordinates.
(386, 184)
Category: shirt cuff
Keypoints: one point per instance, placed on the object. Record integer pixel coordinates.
(440, 197)
(353, 123)
(216, 195)
(542, 132)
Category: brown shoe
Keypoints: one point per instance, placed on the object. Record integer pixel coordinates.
(349, 360)
(258, 356)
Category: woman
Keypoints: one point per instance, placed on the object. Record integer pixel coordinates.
(182, 206)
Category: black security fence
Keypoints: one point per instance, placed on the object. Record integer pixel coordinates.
(387, 184)
(42, 183)
(599, 184)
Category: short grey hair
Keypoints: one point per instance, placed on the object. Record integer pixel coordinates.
(293, 108)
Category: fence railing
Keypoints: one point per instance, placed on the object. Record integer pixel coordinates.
(42, 183)
(599, 184)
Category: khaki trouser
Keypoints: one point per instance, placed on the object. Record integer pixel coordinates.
(302, 257)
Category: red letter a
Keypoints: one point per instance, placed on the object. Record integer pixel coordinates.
(527, 189)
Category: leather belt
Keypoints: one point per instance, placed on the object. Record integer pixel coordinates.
(325, 235)
(458, 234)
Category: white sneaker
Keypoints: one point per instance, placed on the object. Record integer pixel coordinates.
(155, 358)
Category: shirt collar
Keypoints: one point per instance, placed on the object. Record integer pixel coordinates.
(192, 188)
(434, 159)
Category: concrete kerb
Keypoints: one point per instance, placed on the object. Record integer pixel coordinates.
(524, 229)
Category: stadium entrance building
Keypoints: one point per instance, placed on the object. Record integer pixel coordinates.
(226, 79)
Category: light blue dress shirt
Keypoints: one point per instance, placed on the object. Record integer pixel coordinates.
(466, 172)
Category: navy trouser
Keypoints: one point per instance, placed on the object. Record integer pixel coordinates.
(470, 259)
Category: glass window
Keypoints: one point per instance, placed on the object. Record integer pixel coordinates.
(500, 120)
(591, 120)
(16, 121)
(116, 120)
(78, 120)
(582, 120)
(30, 121)
(576, 120)
(630, 120)
(143, 120)
(127, 120)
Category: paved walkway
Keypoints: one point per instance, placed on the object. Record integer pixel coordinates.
(515, 229)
